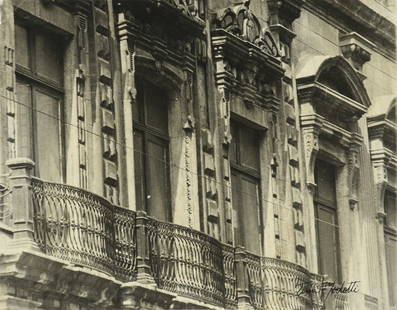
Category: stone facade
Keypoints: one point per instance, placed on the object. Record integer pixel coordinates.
(223, 207)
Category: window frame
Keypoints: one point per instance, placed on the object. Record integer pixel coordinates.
(39, 83)
(239, 170)
(331, 207)
(150, 133)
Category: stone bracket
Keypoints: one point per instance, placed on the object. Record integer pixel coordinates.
(311, 125)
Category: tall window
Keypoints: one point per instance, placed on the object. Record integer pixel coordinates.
(391, 245)
(327, 221)
(151, 151)
(39, 75)
(246, 187)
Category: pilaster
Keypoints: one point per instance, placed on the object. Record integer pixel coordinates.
(22, 205)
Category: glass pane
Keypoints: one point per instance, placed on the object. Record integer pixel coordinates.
(48, 138)
(327, 239)
(325, 179)
(249, 148)
(24, 119)
(156, 108)
(21, 46)
(49, 60)
(391, 259)
(139, 171)
(249, 215)
(157, 192)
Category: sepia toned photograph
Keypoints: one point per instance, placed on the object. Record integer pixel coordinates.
(198, 155)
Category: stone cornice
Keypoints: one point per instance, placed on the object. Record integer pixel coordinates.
(325, 94)
(174, 51)
(384, 155)
(174, 15)
(228, 44)
(344, 137)
(355, 16)
(383, 129)
(83, 6)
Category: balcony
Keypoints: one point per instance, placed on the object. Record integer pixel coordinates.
(82, 229)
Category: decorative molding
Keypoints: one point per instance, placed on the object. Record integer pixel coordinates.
(10, 99)
(248, 30)
(246, 57)
(184, 16)
(80, 76)
(360, 18)
(311, 126)
(284, 11)
(353, 175)
(356, 49)
(282, 15)
(320, 94)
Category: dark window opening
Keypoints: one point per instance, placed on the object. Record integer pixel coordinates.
(39, 95)
(151, 151)
(335, 79)
(327, 229)
(244, 157)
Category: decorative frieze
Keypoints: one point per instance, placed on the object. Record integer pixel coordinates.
(369, 22)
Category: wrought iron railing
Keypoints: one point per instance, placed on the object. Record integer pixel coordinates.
(230, 276)
(5, 211)
(255, 280)
(285, 285)
(86, 229)
(187, 262)
(341, 302)
(83, 228)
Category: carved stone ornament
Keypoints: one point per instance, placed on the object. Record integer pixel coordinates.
(241, 22)
(189, 125)
(311, 125)
(353, 170)
(355, 49)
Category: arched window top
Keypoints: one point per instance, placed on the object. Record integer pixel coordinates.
(335, 79)
(335, 73)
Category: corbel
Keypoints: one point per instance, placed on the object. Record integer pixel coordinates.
(311, 126)
(353, 169)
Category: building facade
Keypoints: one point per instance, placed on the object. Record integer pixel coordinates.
(192, 154)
